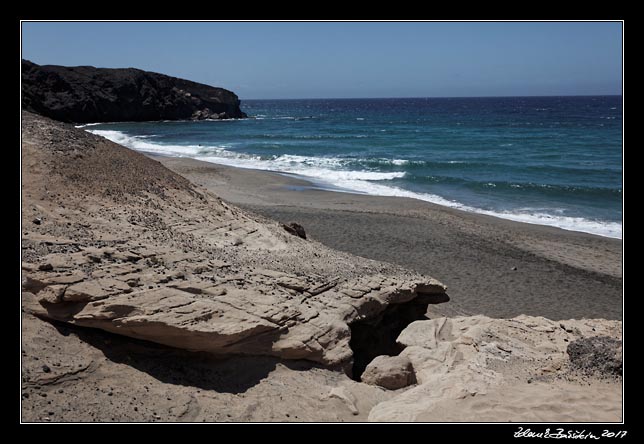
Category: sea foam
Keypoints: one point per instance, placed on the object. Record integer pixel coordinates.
(327, 171)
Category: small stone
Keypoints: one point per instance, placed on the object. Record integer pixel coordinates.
(514, 268)
(45, 267)
(46, 369)
(390, 372)
(295, 229)
(37, 221)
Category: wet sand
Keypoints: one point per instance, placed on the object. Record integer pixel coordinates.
(491, 266)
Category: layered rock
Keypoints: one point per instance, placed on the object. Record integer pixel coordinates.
(84, 94)
(129, 247)
(482, 369)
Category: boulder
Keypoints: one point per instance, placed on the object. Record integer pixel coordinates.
(390, 372)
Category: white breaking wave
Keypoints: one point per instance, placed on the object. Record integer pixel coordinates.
(88, 124)
(325, 171)
(139, 144)
(323, 168)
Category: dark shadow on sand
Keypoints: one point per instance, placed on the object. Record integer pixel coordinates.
(235, 374)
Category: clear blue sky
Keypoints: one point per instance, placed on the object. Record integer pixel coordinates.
(348, 59)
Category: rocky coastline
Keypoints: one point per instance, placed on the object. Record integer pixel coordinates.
(85, 94)
(147, 298)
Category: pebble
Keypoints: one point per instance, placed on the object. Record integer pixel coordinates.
(46, 369)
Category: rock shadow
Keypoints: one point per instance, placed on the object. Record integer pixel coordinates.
(377, 336)
(234, 374)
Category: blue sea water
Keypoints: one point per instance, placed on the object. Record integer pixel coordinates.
(545, 160)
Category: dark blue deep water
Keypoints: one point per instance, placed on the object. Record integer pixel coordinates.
(546, 160)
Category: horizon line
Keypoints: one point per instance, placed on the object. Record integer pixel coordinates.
(438, 97)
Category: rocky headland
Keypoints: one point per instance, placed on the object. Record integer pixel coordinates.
(85, 94)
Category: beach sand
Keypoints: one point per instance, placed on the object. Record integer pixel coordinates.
(491, 266)
(147, 298)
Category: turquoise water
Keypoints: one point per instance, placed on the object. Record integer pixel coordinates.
(546, 160)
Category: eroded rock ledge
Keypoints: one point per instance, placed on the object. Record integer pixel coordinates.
(482, 369)
(251, 312)
(125, 245)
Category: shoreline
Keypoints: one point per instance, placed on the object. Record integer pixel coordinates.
(152, 299)
(491, 266)
(313, 183)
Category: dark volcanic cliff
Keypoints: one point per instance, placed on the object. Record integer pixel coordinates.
(84, 94)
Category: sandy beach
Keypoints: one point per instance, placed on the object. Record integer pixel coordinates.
(152, 296)
(491, 266)
(328, 222)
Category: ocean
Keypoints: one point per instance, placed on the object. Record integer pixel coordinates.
(544, 160)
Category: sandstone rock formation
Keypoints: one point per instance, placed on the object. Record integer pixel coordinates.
(129, 247)
(482, 369)
(84, 94)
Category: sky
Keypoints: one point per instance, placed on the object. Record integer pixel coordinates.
(288, 60)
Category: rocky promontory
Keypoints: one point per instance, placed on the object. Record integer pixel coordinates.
(84, 94)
